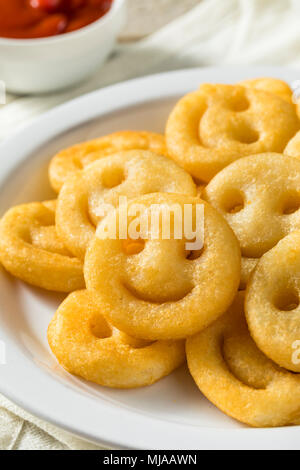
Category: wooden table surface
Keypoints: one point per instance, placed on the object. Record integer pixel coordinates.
(147, 16)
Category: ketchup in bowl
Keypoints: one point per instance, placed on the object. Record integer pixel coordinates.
(25, 19)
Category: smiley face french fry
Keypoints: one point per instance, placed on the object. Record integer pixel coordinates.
(77, 157)
(272, 302)
(133, 173)
(31, 250)
(218, 124)
(238, 378)
(86, 345)
(156, 288)
(260, 199)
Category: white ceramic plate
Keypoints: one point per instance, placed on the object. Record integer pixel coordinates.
(171, 414)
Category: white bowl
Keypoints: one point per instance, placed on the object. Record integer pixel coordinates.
(48, 64)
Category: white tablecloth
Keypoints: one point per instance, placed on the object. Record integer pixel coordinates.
(215, 32)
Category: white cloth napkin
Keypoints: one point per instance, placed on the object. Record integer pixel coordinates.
(214, 32)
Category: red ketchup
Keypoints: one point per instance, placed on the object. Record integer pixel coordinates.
(25, 19)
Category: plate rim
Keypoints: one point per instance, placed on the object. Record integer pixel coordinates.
(156, 433)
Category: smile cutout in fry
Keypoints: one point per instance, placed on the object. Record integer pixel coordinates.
(31, 250)
(86, 345)
(259, 196)
(77, 157)
(238, 378)
(85, 194)
(218, 124)
(272, 302)
(156, 288)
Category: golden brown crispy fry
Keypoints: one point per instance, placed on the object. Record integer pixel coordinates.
(272, 302)
(238, 378)
(31, 250)
(133, 173)
(79, 156)
(86, 345)
(218, 124)
(157, 289)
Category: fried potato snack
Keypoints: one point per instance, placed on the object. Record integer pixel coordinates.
(293, 147)
(272, 302)
(238, 378)
(86, 345)
(248, 266)
(259, 196)
(218, 124)
(84, 195)
(275, 86)
(271, 85)
(79, 156)
(31, 250)
(156, 288)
